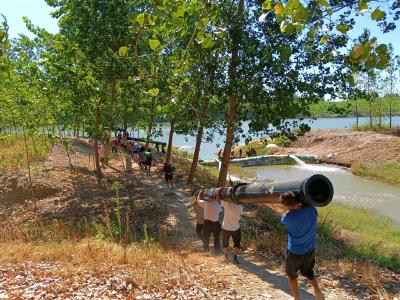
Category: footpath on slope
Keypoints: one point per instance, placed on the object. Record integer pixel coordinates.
(203, 275)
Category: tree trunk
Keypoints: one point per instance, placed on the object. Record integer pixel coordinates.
(370, 113)
(28, 163)
(107, 145)
(170, 138)
(196, 154)
(380, 112)
(356, 114)
(151, 122)
(390, 113)
(233, 102)
(96, 157)
(149, 130)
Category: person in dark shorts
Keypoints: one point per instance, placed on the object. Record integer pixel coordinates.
(231, 228)
(149, 158)
(168, 170)
(301, 221)
(142, 158)
(212, 210)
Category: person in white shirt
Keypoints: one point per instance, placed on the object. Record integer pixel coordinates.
(212, 210)
(231, 228)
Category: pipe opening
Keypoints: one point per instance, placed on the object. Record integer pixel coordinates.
(318, 190)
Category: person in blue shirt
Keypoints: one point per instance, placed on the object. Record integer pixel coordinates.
(301, 221)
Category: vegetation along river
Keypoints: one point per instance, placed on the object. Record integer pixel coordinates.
(209, 149)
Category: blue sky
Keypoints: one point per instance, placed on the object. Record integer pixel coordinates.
(39, 13)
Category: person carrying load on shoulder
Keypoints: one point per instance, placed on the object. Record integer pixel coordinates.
(212, 210)
(301, 220)
(231, 228)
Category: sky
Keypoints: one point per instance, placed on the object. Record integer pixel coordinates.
(39, 13)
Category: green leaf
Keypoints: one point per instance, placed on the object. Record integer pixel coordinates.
(357, 51)
(343, 28)
(208, 43)
(154, 44)
(324, 39)
(152, 19)
(377, 14)
(311, 33)
(293, 4)
(154, 92)
(323, 3)
(180, 12)
(382, 49)
(158, 108)
(329, 11)
(140, 19)
(287, 27)
(178, 21)
(132, 18)
(160, 4)
(219, 33)
(204, 21)
(362, 5)
(200, 37)
(123, 51)
(267, 5)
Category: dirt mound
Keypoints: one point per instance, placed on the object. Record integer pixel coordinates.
(348, 147)
(15, 189)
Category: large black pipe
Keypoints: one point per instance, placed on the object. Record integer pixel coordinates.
(316, 190)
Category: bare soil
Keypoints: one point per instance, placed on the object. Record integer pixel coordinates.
(345, 147)
(60, 194)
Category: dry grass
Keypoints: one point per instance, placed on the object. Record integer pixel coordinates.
(146, 259)
(13, 154)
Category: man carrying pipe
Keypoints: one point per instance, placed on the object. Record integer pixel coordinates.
(316, 190)
(301, 221)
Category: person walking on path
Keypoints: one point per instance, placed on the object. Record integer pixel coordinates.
(135, 150)
(212, 210)
(199, 211)
(142, 159)
(168, 170)
(149, 158)
(231, 228)
(301, 221)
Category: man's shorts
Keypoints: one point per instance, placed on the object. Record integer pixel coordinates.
(168, 176)
(236, 236)
(300, 262)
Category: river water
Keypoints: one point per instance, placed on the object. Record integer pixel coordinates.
(209, 149)
(381, 197)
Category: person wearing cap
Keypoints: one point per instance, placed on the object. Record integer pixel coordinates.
(212, 210)
(301, 221)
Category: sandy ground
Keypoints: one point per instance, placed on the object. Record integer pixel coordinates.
(347, 147)
(205, 275)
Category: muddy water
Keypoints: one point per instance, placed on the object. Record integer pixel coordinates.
(383, 198)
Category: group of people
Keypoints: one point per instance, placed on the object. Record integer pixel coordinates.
(207, 223)
(300, 219)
